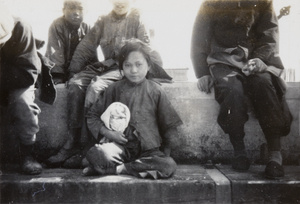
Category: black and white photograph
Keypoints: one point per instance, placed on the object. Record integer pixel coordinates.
(150, 101)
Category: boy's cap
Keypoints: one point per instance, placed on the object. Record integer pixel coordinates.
(74, 2)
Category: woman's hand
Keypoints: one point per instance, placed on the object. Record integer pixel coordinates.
(115, 136)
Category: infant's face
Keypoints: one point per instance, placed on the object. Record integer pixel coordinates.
(117, 121)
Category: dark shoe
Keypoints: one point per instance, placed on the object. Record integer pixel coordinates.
(61, 157)
(74, 162)
(241, 163)
(30, 166)
(274, 170)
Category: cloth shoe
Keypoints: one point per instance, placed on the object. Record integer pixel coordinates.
(30, 166)
(61, 157)
(274, 170)
(240, 163)
(74, 162)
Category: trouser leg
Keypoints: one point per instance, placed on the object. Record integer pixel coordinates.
(270, 109)
(76, 94)
(229, 93)
(24, 112)
(273, 115)
(153, 164)
(106, 155)
(99, 84)
(77, 87)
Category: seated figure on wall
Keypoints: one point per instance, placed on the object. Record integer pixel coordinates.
(64, 35)
(235, 50)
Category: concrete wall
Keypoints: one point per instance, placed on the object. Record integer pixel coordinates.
(200, 137)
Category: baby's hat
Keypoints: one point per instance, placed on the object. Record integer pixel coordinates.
(115, 109)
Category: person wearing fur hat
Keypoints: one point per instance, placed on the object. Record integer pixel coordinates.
(20, 66)
(153, 121)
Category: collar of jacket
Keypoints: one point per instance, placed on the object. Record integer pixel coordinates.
(119, 17)
(130, 83)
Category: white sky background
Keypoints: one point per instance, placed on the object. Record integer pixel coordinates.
(172, 20)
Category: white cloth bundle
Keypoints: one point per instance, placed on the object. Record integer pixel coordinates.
(116, 117)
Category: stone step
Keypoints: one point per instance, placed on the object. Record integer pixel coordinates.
(190, 184)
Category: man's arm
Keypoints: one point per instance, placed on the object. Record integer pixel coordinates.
(86, 50)
(200, 47)
(55, 48)
(26, 63)
(200, 43)
(267, 44)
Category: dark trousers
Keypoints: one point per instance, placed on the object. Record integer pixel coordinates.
(21, 115)
(83, 90)
(149, 164)
(263, 91)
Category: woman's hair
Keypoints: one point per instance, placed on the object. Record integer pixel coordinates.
(135, 45)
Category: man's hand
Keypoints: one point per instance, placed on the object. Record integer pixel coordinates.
(205, 83)
(254, 65)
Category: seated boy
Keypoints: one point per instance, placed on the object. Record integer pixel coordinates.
(153, 119)
(64, 35)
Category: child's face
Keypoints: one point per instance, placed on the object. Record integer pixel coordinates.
(135, 67)
(121, 7)
(73, 13)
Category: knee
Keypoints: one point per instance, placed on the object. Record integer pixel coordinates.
(72, 83)
(96, 156)
(231, 91)
(260, 82)
(97, 85)
(24, 106)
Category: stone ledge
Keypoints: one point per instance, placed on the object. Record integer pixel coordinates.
(200, 137)
(190, 184)
(252, 187)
